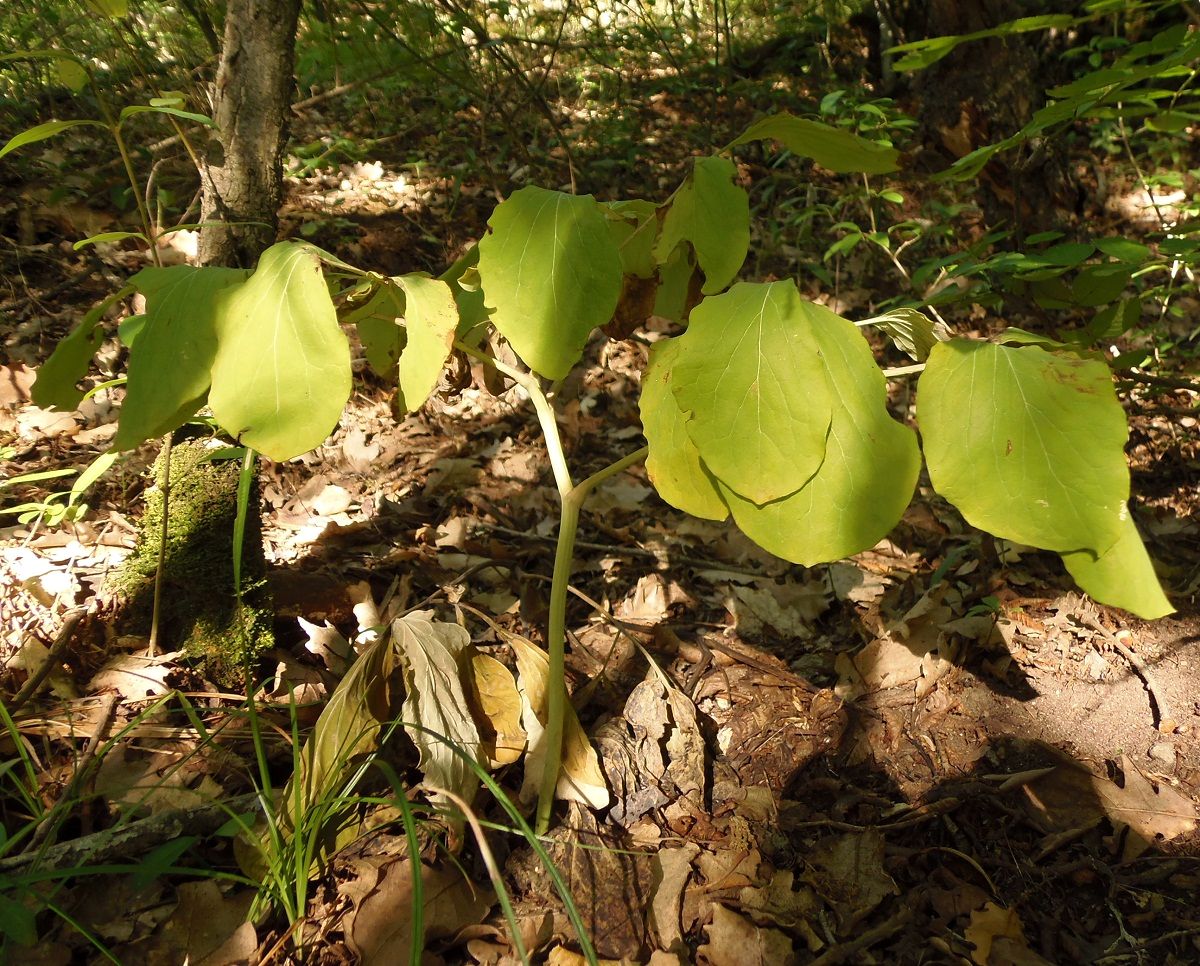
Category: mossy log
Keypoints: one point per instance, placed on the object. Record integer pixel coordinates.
(199, 608)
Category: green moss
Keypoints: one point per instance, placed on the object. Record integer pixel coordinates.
(199, 607)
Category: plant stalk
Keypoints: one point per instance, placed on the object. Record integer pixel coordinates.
(556, 630)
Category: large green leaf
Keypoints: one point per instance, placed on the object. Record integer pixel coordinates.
(281, 376)
(430, 317)
(674, 463)
(831, 147)
(1122, 576)
(552, 273)
(912, 331)
(870, 468)
(170, 366)
(750, 376)
(712, 213)
(1027, 443)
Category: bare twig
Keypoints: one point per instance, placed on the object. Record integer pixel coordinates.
(34, 684)
(134, 839)
(847, 950)
(1162, 712)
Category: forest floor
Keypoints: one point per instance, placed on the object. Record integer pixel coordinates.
(933, 752)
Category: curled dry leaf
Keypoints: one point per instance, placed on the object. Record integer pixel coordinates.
(580, 778)
(492, 691)
(433, 654)
(735, 941)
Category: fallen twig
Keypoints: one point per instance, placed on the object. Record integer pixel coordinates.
(124, 841)
(1162, 713)
(38, 678)
(844, 951)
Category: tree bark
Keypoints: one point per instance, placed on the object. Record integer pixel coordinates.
(242, 172)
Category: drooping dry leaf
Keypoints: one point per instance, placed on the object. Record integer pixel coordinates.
(379, 930)
(494, 697)
(580, 778)
(433, 655)
(326, 641)
(348, 727)
(135, 676)
(735, 941)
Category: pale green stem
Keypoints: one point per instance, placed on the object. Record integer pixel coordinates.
(571, 500)
(556, 631)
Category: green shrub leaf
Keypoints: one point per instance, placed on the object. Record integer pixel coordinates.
(870, 468)
(431, 317)
(674, 464)
(170, 367)
(379, 329)
(912, 331)
(1122, 576)
(69, 362)
(749, 374)
(41, 132)
(552, 273)
(1027, 443)
(831, 147)
(712, 213)
(281, 375)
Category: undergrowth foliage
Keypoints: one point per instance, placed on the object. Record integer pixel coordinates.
(768, 408)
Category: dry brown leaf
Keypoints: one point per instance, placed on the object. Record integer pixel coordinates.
(988, 924)
(379, 930)
(327, 643)
(672, 869)
(580, 778)
(788, 608)
(208, 927)
(847, 870)
(736, 941)
(1071, 797)
(493, 692)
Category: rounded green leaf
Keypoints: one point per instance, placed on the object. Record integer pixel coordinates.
(430, 318)
(1027, 443)
(750, 376)
(673, 463)
(712, 213)
(1122, 576)
(831, 147)
(870, 468)
(552, 273)
(169, 367)
(281, 375)
(634, 228)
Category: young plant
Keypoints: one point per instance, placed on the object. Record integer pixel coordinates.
(768, 408)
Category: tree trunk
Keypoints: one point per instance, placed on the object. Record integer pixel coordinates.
(242, 172)
(986, 90)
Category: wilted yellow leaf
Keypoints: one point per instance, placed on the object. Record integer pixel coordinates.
(494, 697)
(580, 778)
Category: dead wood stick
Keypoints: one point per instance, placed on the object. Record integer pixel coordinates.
(136, 838)
(1162, 712)
(34, 682)
(83, 768)
(844, 951)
